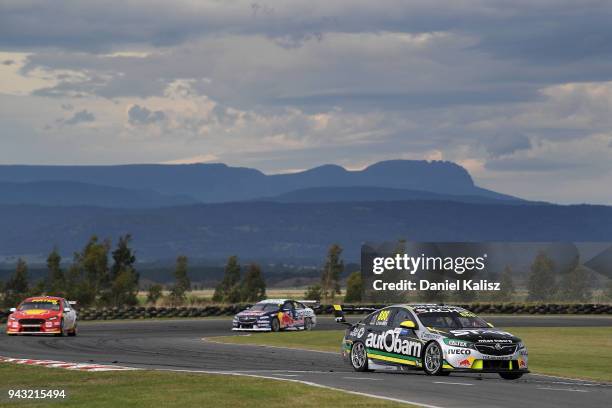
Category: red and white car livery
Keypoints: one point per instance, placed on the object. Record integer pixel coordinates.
(43, 315)
(275, 315)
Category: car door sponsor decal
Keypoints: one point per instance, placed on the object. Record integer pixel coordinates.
(391, 342)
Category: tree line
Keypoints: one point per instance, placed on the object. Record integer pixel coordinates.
(100, 275)
(97, 276)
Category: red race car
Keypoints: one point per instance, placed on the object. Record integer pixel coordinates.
(43, 315)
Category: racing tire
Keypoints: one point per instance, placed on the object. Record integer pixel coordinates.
(73, 332)
(359, 357)
(432, 359)
(62, 332)
(308, 324)
(510, 376)
(274, 325)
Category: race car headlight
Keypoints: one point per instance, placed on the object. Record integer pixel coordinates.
(459, 343)
(52, 318)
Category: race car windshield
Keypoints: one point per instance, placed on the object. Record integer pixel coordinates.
(452, 320)
(39, 306)
(264, 307)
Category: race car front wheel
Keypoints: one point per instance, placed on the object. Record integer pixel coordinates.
(62, 329)
(308, 323)
(510, 376)
(275, 325)
(359, 357)
(432, 359)
(73, 332)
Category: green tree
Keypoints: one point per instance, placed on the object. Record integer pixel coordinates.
(88, 277)
(542, 284)
(330, 277)
(17, 286)
(507, 289)
(253, 286)
(123, 256)
(313, 293)
(123, 276)
(354, 287)
(182, 284)
(56, 281)
(154, 294)
(228, 290)
(575, 285)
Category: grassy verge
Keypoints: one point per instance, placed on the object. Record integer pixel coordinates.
(580, 352)
(150, 388)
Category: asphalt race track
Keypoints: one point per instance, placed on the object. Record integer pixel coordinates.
(178, 345)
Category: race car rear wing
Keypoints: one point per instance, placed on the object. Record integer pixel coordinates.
(309, 302)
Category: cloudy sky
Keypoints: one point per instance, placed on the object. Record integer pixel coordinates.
(518, 92)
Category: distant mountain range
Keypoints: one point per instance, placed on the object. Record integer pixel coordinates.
(210, 211)
(71, 193)
(370, 194)
(292, 231)
(151, 185)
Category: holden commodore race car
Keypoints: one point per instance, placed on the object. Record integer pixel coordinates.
(435, 338)
(43, 315)
(275, 315)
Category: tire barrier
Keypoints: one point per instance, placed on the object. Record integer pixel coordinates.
(150, 312)
(495, 308)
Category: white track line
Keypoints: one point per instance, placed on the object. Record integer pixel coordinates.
(559, 389)
(451, 383)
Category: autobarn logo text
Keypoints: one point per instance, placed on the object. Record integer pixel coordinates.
(391, 342)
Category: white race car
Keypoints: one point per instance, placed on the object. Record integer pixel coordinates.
(437, 339)
(275, 315)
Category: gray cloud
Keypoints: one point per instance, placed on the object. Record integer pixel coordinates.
(80, 117)
(140, 115)
(503, 144)
(508, 88)
(544, 30)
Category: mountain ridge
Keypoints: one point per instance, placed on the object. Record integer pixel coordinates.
(218, 182)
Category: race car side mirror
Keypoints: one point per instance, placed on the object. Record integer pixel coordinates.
(408, 324)
(13, 309)
(66, 310)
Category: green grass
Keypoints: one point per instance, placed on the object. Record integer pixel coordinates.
(323, 340)
(579, 352)
(164, 389)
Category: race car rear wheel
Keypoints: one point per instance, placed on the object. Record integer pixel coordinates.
(510, 376)
(359, 357)
(308, 323)
(432, 359)
(275, 325)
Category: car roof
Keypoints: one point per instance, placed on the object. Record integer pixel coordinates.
(413, 306)
(42, 298)
(273, 301)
